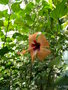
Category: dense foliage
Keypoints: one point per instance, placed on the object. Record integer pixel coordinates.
(17, 72)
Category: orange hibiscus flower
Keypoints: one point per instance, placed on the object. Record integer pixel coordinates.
(38, 46)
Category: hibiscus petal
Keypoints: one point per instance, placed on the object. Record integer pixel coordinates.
(32, 38)
(33, 54)
(42, 53)
(42, 40)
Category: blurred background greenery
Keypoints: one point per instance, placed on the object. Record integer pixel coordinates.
(18, 19)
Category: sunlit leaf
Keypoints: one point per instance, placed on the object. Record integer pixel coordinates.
(4, 1)
(16, 7)
(29, 7)
(60, 10)
(3, 13)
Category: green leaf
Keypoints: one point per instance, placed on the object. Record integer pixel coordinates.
(13, 16)
(1, 33)
(19, 36)
(4, 1)
(63, 80)
(28, 19)
(60, 10)
(19, 21)
(56, 61)
(1, 22)
(8, 65)
(1, 78)
(46, 5)
(29, 8)
(37, 1)
(33, 16)
(3, 13)
(16, 7)
(8, 39)
(3, 51)
(25, 30)
(5, 23)
(50, 1)
(2, 37)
